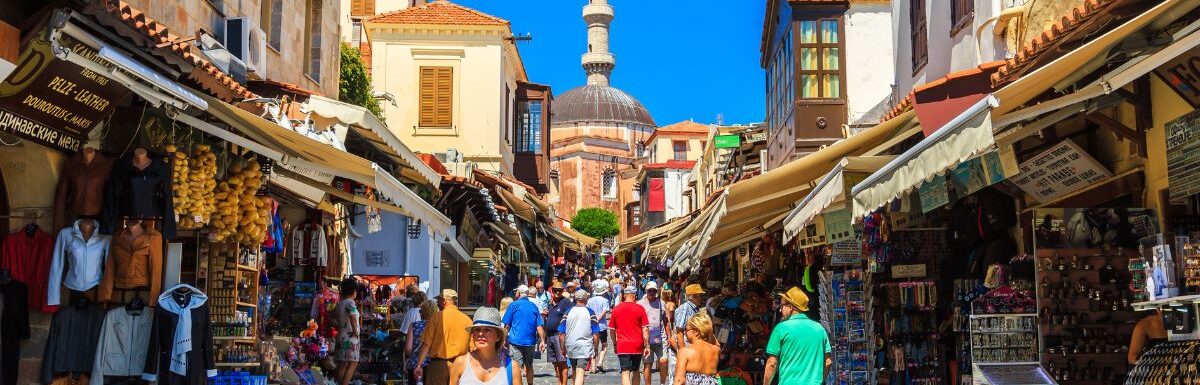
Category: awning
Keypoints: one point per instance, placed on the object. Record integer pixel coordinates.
(579, 237)
(835, 187)
(455, 250)
(965, 137)
(751, 203)
(518, 206)
(418, 208)
(363, 123)
(652, 233)
(295, 149)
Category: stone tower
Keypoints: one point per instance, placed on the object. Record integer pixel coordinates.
(598, 62)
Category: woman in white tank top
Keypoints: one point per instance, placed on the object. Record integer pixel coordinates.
(485, 364)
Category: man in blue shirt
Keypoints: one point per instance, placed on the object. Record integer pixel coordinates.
(523, 320)
(556, 352)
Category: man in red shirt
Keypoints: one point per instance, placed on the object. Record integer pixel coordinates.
(631, 326)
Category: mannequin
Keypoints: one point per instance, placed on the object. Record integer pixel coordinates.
(87, 228)
(89, 154)
(136, 229)
(140, 159)
(80, 190)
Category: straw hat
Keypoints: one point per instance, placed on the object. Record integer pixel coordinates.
(693, 289)
(796, 298)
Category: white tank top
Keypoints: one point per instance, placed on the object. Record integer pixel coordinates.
(469, 378)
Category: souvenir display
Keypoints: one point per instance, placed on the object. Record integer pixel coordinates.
(1167, 363)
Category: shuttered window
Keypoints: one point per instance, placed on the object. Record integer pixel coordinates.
(918, 39)
(437, 97)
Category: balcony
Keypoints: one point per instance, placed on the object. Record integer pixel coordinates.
(599, 58)
(598, 13)
(532, 169)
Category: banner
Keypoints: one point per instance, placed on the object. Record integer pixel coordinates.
(53, 102)
(1058, 171)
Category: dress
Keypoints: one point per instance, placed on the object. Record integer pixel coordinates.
(348, 345)
(700, 379)
(418, 328)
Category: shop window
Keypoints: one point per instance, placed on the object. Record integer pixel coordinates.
(312, 36)
(681, 148)
(271, 20)
(480, 275)
(820, 49)
(918, 36)
(529, 126)
(436, 104)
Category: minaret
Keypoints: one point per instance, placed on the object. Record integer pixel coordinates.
(598, 63)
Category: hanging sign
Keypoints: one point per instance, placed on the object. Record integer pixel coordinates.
(1058, 171)
(813, 234)
(933, 193)
(1183, 156)
(968, 177)
(908, 271)
(838, 226)
(1182, 74)
(727, 141)
(54, 102)
(846, 253)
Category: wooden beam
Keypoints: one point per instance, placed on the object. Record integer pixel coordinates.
(1122, 131)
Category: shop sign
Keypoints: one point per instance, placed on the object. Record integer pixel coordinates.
(933, 193)
(908, 271)
(993, 167)
(1183, 156)
(54, 102)
(381, 253)
(727, 141)
(1058, 171)
(757, 137)
(846, 253)
(1183, 75)
(968, 177)
(838, 226)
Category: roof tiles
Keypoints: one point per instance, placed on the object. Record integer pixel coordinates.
(439, 12)
(1024, 58)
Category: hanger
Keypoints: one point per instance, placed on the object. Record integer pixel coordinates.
(31, 229)
(135, 304)
(82, 301)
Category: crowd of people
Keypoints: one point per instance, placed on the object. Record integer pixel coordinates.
(650, 325)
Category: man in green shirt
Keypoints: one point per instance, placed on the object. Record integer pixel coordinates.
(799, 347)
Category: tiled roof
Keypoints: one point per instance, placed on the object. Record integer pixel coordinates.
(907, 103)
(433, 162)
(684, 127)
(670, 164)
(159, 34)
(287, 87)
(1068, 24)
(438, 12)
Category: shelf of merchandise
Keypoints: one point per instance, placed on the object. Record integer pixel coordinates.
(230, 281)
(238, 364)
(1172, 301)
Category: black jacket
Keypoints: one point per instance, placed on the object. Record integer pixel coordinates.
(139, 193)
(162, 336)
(71, 346)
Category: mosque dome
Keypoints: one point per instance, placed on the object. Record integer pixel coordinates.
(595, 103)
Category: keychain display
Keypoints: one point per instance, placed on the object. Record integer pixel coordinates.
(1004, 338)
(1167, 363)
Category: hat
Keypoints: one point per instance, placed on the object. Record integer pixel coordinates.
(486, 317)
(573, 284)
(581, 295)
(522, 290)
(796, 298)
(693, 289)
(449, 293)
(630, 290)
(651, 286)
(556, 285)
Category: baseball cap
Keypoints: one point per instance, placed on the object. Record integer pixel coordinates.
(449, 293)
(630, 290)
(522, 289)
(581, 295)
(651, 286)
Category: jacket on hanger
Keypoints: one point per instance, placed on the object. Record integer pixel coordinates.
(139, 193)
(27, 257)
(124, 338)
(134, 262)
(82, 259)
(80, 190)
(71, 346)
(198, 361)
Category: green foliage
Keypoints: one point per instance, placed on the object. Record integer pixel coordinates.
(596, 223)
(354, 83)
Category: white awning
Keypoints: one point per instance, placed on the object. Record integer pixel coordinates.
(372, 129)
(835, 187)
(410, 201)
(963, 138)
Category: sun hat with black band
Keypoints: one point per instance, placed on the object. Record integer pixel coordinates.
(488, 317)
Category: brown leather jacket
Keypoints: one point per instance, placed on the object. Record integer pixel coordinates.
(80, 190)
(134, 263)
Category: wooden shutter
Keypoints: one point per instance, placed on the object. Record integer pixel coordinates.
(436, 97)
(920, 45)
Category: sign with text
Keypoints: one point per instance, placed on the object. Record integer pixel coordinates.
(846, 253)
(1058, 171)
(908, 271)
(838, 226)
(1183, 156)
(1183, 75)
(933, 193)
(54, 102)
(727, 141)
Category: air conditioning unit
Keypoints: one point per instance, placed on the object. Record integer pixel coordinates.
(245, 40)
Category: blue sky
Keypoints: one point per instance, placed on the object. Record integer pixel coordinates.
(683, 62)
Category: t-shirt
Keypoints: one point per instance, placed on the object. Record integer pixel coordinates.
(800, 345)
(599, 306)
(522, 318)
(542, 300)
(656, 315)
(412, 316)
(555, 316)
(577, 328)
(627, 322)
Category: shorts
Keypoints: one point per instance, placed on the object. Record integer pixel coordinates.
(554, 350)
(521, 355)
(630, 362)
(656, 353)
(580, 363)
(603, 337)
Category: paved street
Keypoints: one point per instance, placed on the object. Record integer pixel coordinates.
(544, 373)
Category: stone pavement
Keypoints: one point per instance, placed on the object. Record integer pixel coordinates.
(544, 373)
